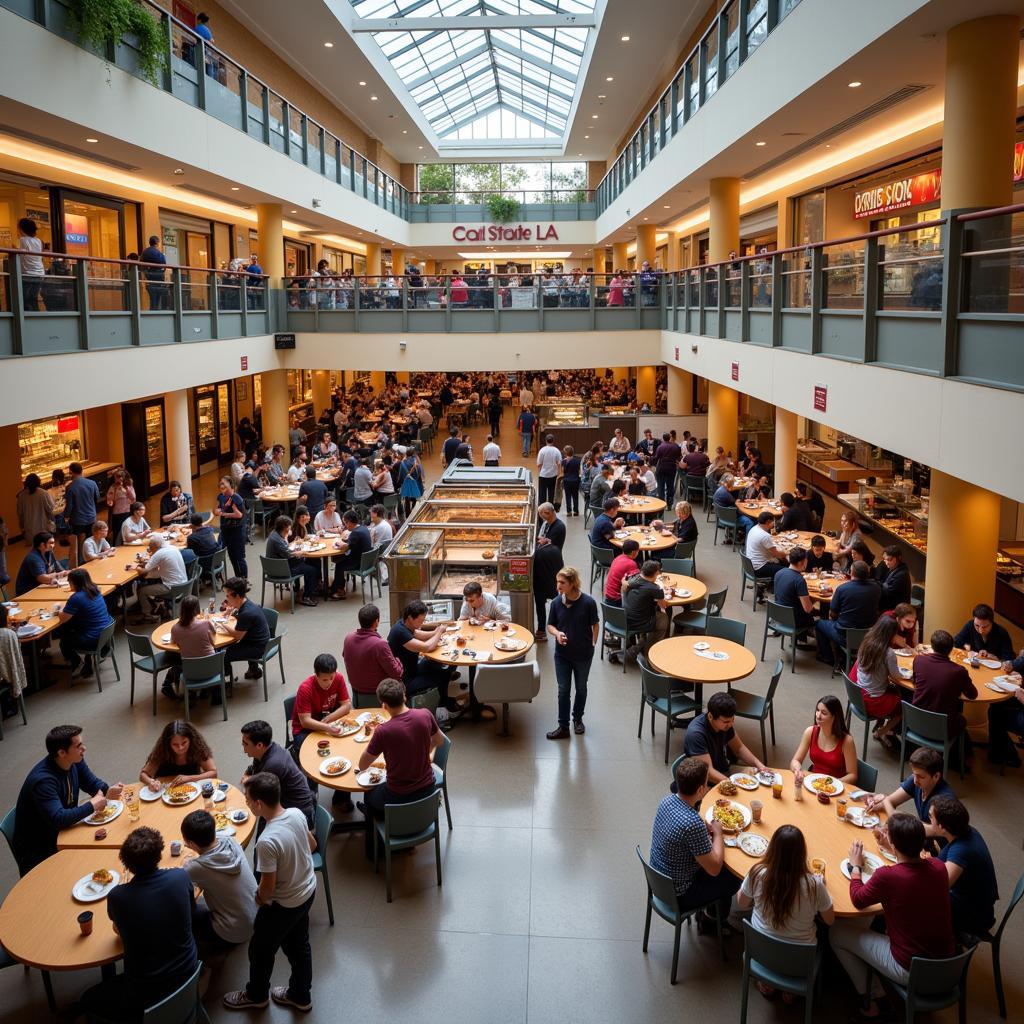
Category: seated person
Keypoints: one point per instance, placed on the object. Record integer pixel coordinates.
(135, 527)
(796, 515)
(312, 493)
(940, 683)
(854, 606)
(791, 589)
(164, 568)
(368, 657)
(604, 526)
(180, 755)
(320, 701)
(760, 548)
(828, 742)
(202, 542)
(862, 552)
(814, 501)
(723, 494)
(40, 566)
(479, 605)
(152, 914)
(984, 636)
(711, 738)
(278, 547)
(623, 565)
(48, 801)
(328, 520)
(894, 577)
(690, 851)
(296, 471)
(876, 671)
(685, 525)
(325, 448)
(83, 619)
(761, 488)
(175, 506)
(97, 546)
(922, 785)
(973, 890)
(818, 559)
(648, 478)
(646, 610)
(600, 486)
(357, 544)
(905, 616)
(223, 916)
(250, 630)
(408, 640)
(381, 531)
(1007, 717)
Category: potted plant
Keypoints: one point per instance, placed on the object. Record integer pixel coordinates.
(502, 209)
(103, 25)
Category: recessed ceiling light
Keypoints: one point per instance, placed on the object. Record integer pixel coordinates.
(579, 154)
(666, 207)
(179, 170)
(593, 117)
(760, 143)
(373, 97)
(362, 83)
(235, 188)
(644, 217)
(420, 147)
(625, 39)
(293, 211)
(854, 85)
(329, 45)
(610, 78)
(586, 136)
(92, 140)
(405, 131)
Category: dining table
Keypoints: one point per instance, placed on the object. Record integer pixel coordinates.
(754, 508)
(161, 635)
(786, 541)
(648, 538)
(701, 660)
(640, 505)
(686, 590)
(816, 580)
(983, 676)
(350, 747)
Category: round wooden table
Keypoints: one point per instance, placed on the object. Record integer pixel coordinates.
(649, 540)
(177, 539)
(814, 580)
(341, 746)
(156, 814)
(791, 538)
(636, 505)
(676, 657)
(164, 630)
(980, 676)
(739, 483)
(698, 590)
(285, 494)
(480, 639)
(827, 837)
(755, 508)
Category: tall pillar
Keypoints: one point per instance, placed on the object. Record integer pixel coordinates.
(646, 385)
(179, 449)
(397, 260)
(785, 450)
(430, 267)
(621, 373)
(269, 217)
(646, 244)
(724, 233)
(377, 381)
(274, 390)
(372, 259)
(723, 417)
(321, 391)
(620, 257)
(980, 112)
(680, 392)
(402, 376)
(150, 223)
(674, 261)
(963, 536)
(10, 456)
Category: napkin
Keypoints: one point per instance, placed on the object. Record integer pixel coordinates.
(482, 656)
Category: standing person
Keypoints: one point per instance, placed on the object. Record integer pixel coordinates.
(285, 894)
(410, 480)
(526, 424)
(120, 495)
(552, 529)
(547, 563)
(32, 272)
(571, 478)
(35, 509)
(81, 497)
(574, 623)
(549, 462)
(203, 26)
(494, 412)
(157, 289)
(230, 510)
(491, 452)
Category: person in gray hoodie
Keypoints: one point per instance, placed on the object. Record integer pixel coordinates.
(225, 913)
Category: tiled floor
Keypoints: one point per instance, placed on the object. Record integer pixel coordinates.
(541, 914)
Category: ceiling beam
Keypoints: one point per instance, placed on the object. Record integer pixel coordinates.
(537, 62)
(445, 68)
(473, 23)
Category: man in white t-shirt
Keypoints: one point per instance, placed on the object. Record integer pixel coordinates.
(549, 462)
(492, 453)
(164, 569)
(525, 397)
(32, 271)
(764, 556)
(478, 604)
(286, 891)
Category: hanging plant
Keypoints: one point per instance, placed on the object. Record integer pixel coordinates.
(103, 24)
(502, 209)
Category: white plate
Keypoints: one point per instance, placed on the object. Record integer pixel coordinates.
(743, 775)
(904, 652)
(85, 890)
(362, 738)
(509, 645)
(147, 796)
(347, 730)
(165, 638)
(219, 796)
(837, 786)
(753, 845)
(871, 865)
(238, 815)
(766, 778)
(118, 806)
(363, 718)
(343, 761)
(452, 629)
(887, 855)
(1006, 683)
(743, 809)
(165, 796)
(702, 646)
(861, 818)
(363, 778)
(991, 663)
(906, 673)
(226, 832)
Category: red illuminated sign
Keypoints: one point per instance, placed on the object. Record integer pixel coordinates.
(917, 190)
(821, 397)
(505, 233)
(67, 424)
(735, 371)
(1018, 161)
(245, 362)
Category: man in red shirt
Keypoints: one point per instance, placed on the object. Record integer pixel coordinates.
(406, 740)
(623, 565)
(914, 894)
(940, 684)
(368, 657)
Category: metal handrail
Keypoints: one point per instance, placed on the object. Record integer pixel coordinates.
(8, 251)
(996, 211)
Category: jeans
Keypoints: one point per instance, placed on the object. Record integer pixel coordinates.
(1004, 718)
(287, 929)
(571, 490)
(565, 669)
(31, 290)
(527, 442)
(706, 889)
(744, 523)
(827, 632)
(159, 298)
(546, 489)
(310, 573)
(666, 486)
(862, 951)
(541, 605)
(768, 571)
(234, 540)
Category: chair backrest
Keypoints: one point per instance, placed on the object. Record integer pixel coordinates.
(613, 616)
(727, 629)
(367, 560)
(289, 711)
(407, 819)
(441, 752)
(322, 830)
(930, 725)
(7, 828)
(694, 481)
(504, 684)
(675, 764)
(180, 1006)
(781, 614)
(684, 549)
(659, 885)
(792, 959)
(774, 684)
(867, 776)
(716, 602)
(854, 638)
(683, 566)
(272, 615)
(603, 556)
(1018, 893)
(656, 685)
(276, 568)
(855, 695)
(747, 567)
(218, 560)
(105, 641)
(916, 594)
(140, 644)
(179, 591)
(726, 515)
(936, 978)
(194, 570)
(203, 668)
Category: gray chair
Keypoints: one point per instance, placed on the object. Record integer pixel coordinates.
(694, 489)
(661, 694)
(600, 561)
(929, 729)
(726, 518)
(848, 649)
(204, 674)
(19, 700)
(7, 830)
(855, 708)
(368, 700)
(709, 497)
(758, 708)
(369, 567)
(867, 776)
(146, 658)
(215, 568)
(782, 619)
(935, 984)
(685, 549)
(278, 573)
(727, 629)
(748, 575)
(323, 824)
(683, 566)
(917, 599)
(591, 512)
(697, 620)
(272, 649)
(179, 591)
(183, 1006)
(507, 684)
(614, 623)
(289, 710)
(405, 826)
(994, 939)
(787, 966)
(440, 767)
(103, 650)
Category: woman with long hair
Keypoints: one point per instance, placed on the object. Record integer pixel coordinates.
(180, 754)
(300, 526)
(831, 747)
(120, 495)
(877, 673)
(905, 615)
(83, 618)
(411, 481)
(849, 534)
(785, 895)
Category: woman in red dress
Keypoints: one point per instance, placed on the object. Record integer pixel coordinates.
(829, 743)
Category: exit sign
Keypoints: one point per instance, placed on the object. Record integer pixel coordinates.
(821, 397)
(245, 362)
(735, 371)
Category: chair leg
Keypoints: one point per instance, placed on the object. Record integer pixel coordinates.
(764, 744)
(771, 719)
(745, 992)
(131, 691)
(647, 923)
(99, 678)
(867, 726)
(764, 639)
(447, 805)
(668, 733)
(640, 724)
(224, 698)
(387, 869)
(154, 695)
(675, 950)
(113, 658)
(997, 977)
(327, 889)
(21, 704)
(437, 849)
(266, 669)
(504, 719)
(280, 659)
(185, 688)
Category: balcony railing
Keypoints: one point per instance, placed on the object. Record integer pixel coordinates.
(739, 29)
(460, 206)
(203, 76)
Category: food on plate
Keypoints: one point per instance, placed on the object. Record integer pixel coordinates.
(727, 788)
(487, 553)
(826, 784)
(180, 794)
(335, 768)
(348, 721)
(102, 877)
(374, 775)
(106, 814)
(745, 780)
(222, 820)
(730, 817)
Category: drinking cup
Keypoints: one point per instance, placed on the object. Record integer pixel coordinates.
(841, 808)
(777, 789)
(818, 867)
(85, 922)
(175, 847)
(756, 807)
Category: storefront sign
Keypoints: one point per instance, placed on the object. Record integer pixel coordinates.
(735, 371)
(821, 397)
(505, 233)
(67, 424)
(918, 190)
(245, 362)
(1018, 162)
(516, 575)
(76, 229)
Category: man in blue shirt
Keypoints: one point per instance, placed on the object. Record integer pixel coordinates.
(854, 606)
(203, 26)
(254, 285)
(525, 425)
(40, 565)
(973, 889)
(81, 497)
(48, 801)
(791, 588)
(604, 526)
(922, 785)
(574, 623)
(159, 296)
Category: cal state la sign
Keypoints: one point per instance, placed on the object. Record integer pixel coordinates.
(505, 233)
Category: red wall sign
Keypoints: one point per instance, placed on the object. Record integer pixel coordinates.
(245, 362)
(505, 233)
(677, 353)
(735, 371)
(1018, 161)
(821, 397)
(67, 424)
(918, 190)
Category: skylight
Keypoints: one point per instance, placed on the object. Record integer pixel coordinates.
(513, 77)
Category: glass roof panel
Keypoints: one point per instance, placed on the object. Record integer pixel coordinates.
(487, 83)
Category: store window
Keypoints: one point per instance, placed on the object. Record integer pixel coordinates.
(732, 39)
(17, 201)
(300, 387)
(48, 443)
(757, 24)
(711, 62)
(809, 219)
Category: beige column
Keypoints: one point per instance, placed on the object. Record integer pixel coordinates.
(372, 259)
(150, 223)
(963, 536)
(680, 392)
(10, 456)
(621, 373)
(979, 113)
(724, 233)
(377, 381)
(646, 244)
(429, 267)
(646, 385)
(723, 417)
(620, 258)
(397, 260)
(179, 436)
(275, 407)
(785, 450)
(269, 217)
(675, 261)
(402, 376)
(321, 391)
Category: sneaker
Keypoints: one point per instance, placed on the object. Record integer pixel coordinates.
(279, 993)
(615, 657)
(168, 691)
(80, 668)
(578, 727)
(561, 733)
(239, 1000)
(309, 602)
(541, 636)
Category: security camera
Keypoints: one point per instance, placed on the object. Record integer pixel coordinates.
(693, 349)
(317, 203)
(402, 345)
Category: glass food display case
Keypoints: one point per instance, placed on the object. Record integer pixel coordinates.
(890, 502)
(563, 414)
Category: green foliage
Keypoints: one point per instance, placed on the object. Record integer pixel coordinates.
(439, 181)
(102, 24)
(502, 209)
